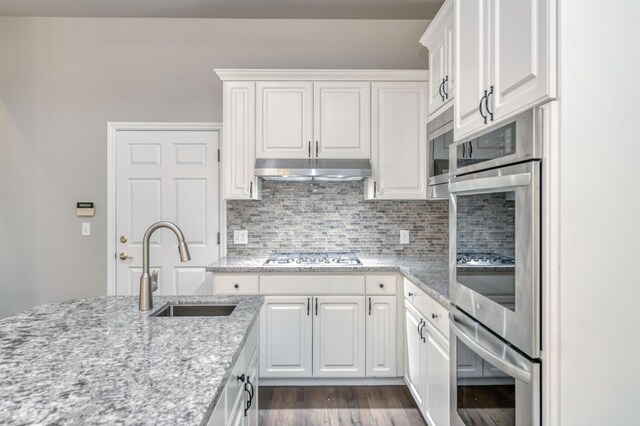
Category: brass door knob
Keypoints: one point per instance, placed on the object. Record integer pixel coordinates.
(123, 239)
(125, 256)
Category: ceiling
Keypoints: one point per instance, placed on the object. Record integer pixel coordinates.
(249, 9)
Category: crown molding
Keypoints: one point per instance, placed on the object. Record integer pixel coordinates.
(320, 75)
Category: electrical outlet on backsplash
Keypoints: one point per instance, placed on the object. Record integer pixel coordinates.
(329, 216)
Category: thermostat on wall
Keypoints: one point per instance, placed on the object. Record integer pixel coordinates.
(84, 209)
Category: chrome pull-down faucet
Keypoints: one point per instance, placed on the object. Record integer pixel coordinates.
(149, 283)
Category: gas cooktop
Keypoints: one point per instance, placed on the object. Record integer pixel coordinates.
(484, 259)
(314, 258)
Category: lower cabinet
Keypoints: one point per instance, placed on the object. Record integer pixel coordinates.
(339, 336)
(381, 336)
(427, 366)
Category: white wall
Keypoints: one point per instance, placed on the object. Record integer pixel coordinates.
(63, 79)
(599, 213)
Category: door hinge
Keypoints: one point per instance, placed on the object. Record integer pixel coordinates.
(218, 156)
(218, 238)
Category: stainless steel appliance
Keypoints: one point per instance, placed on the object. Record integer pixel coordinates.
(495, 209)
(294, 169)
(440, 131)
(494, 270)
(492, 383)
(346, 258)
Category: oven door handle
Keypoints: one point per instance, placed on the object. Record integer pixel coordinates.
(513, 370)
(490, 183)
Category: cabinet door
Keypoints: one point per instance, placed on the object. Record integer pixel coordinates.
(285, 337)
(437, 395)
(399, 145)
(381, 336)
(339, 336)
(342, 119)
(239, 141)
(251, 396)
(471, 66)
(414, 365)
(284, 116)
(437, 59)
(449, 59)
(523, 69)
(236, 417)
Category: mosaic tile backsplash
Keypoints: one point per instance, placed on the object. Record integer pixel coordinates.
(327, 216)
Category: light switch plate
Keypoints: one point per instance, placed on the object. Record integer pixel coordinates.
(86, 229)
(404, 237)
(241, 236)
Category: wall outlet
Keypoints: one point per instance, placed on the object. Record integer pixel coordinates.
(404, 237)
(241, 236)
(86, 229)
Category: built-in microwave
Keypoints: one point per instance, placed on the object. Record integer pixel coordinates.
(494, 230)
(440, 131)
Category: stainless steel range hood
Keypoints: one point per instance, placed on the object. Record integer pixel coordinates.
(312, 169)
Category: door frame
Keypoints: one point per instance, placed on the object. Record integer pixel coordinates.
(112, 133)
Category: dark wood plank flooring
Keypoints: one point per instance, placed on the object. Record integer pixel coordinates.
(337, 405)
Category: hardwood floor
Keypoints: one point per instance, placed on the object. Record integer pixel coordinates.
(338, 405)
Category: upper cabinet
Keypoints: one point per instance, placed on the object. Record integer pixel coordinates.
(342, 119)
(438, 38)
(505, 60)
(318, 114)
(239, 141)
(284, 119)
(399, 141)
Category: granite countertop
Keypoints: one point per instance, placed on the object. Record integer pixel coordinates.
(102, 361)
(430, 273)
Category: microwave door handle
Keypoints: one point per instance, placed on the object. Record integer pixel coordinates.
(490, 183)
(495, 359)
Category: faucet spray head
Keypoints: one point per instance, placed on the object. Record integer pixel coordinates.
(184, 251)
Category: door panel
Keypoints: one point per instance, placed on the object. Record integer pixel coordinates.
(285, 337)
(342, 119)
(436, 71)
(166, 175)
(284, 116)
(437, 395)
(399, 141)
(339, 337)
(472, 43)
(381, 336)
(414, 374)
(521, 55)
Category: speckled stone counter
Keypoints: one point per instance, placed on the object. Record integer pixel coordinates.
(431, 274)
(102, 361)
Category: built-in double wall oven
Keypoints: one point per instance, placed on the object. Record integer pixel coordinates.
(495, 240)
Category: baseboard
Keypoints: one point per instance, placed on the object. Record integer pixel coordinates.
(370, 381)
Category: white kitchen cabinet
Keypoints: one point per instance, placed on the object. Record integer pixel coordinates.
(438, 38)
(239, 142)
(437, 377)
(286, 337)
(381, 336)
(341, 119)
(398, 142)
(339, 336)
(284, 119)
(415, 356)
(251, 396)
(504, 60)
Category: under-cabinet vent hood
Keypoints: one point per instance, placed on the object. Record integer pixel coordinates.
(312, 169)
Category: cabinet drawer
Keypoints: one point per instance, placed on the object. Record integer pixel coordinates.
(234, 386)
(433, 311)
(381, 284)
(316, 285)
(236, 284)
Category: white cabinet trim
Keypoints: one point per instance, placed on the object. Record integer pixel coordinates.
(326, 75)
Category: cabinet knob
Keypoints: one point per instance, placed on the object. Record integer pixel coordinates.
(434, 316)
(411, 294)
(236, 286)
(381, 285)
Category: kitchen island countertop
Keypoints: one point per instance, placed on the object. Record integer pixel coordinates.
(429, 273)
(102, 361)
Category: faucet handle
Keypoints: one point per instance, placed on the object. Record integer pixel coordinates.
(154, 280)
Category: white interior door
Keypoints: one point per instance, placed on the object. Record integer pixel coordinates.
(166, 175)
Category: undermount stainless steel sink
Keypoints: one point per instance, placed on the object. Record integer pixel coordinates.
(194, 310)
